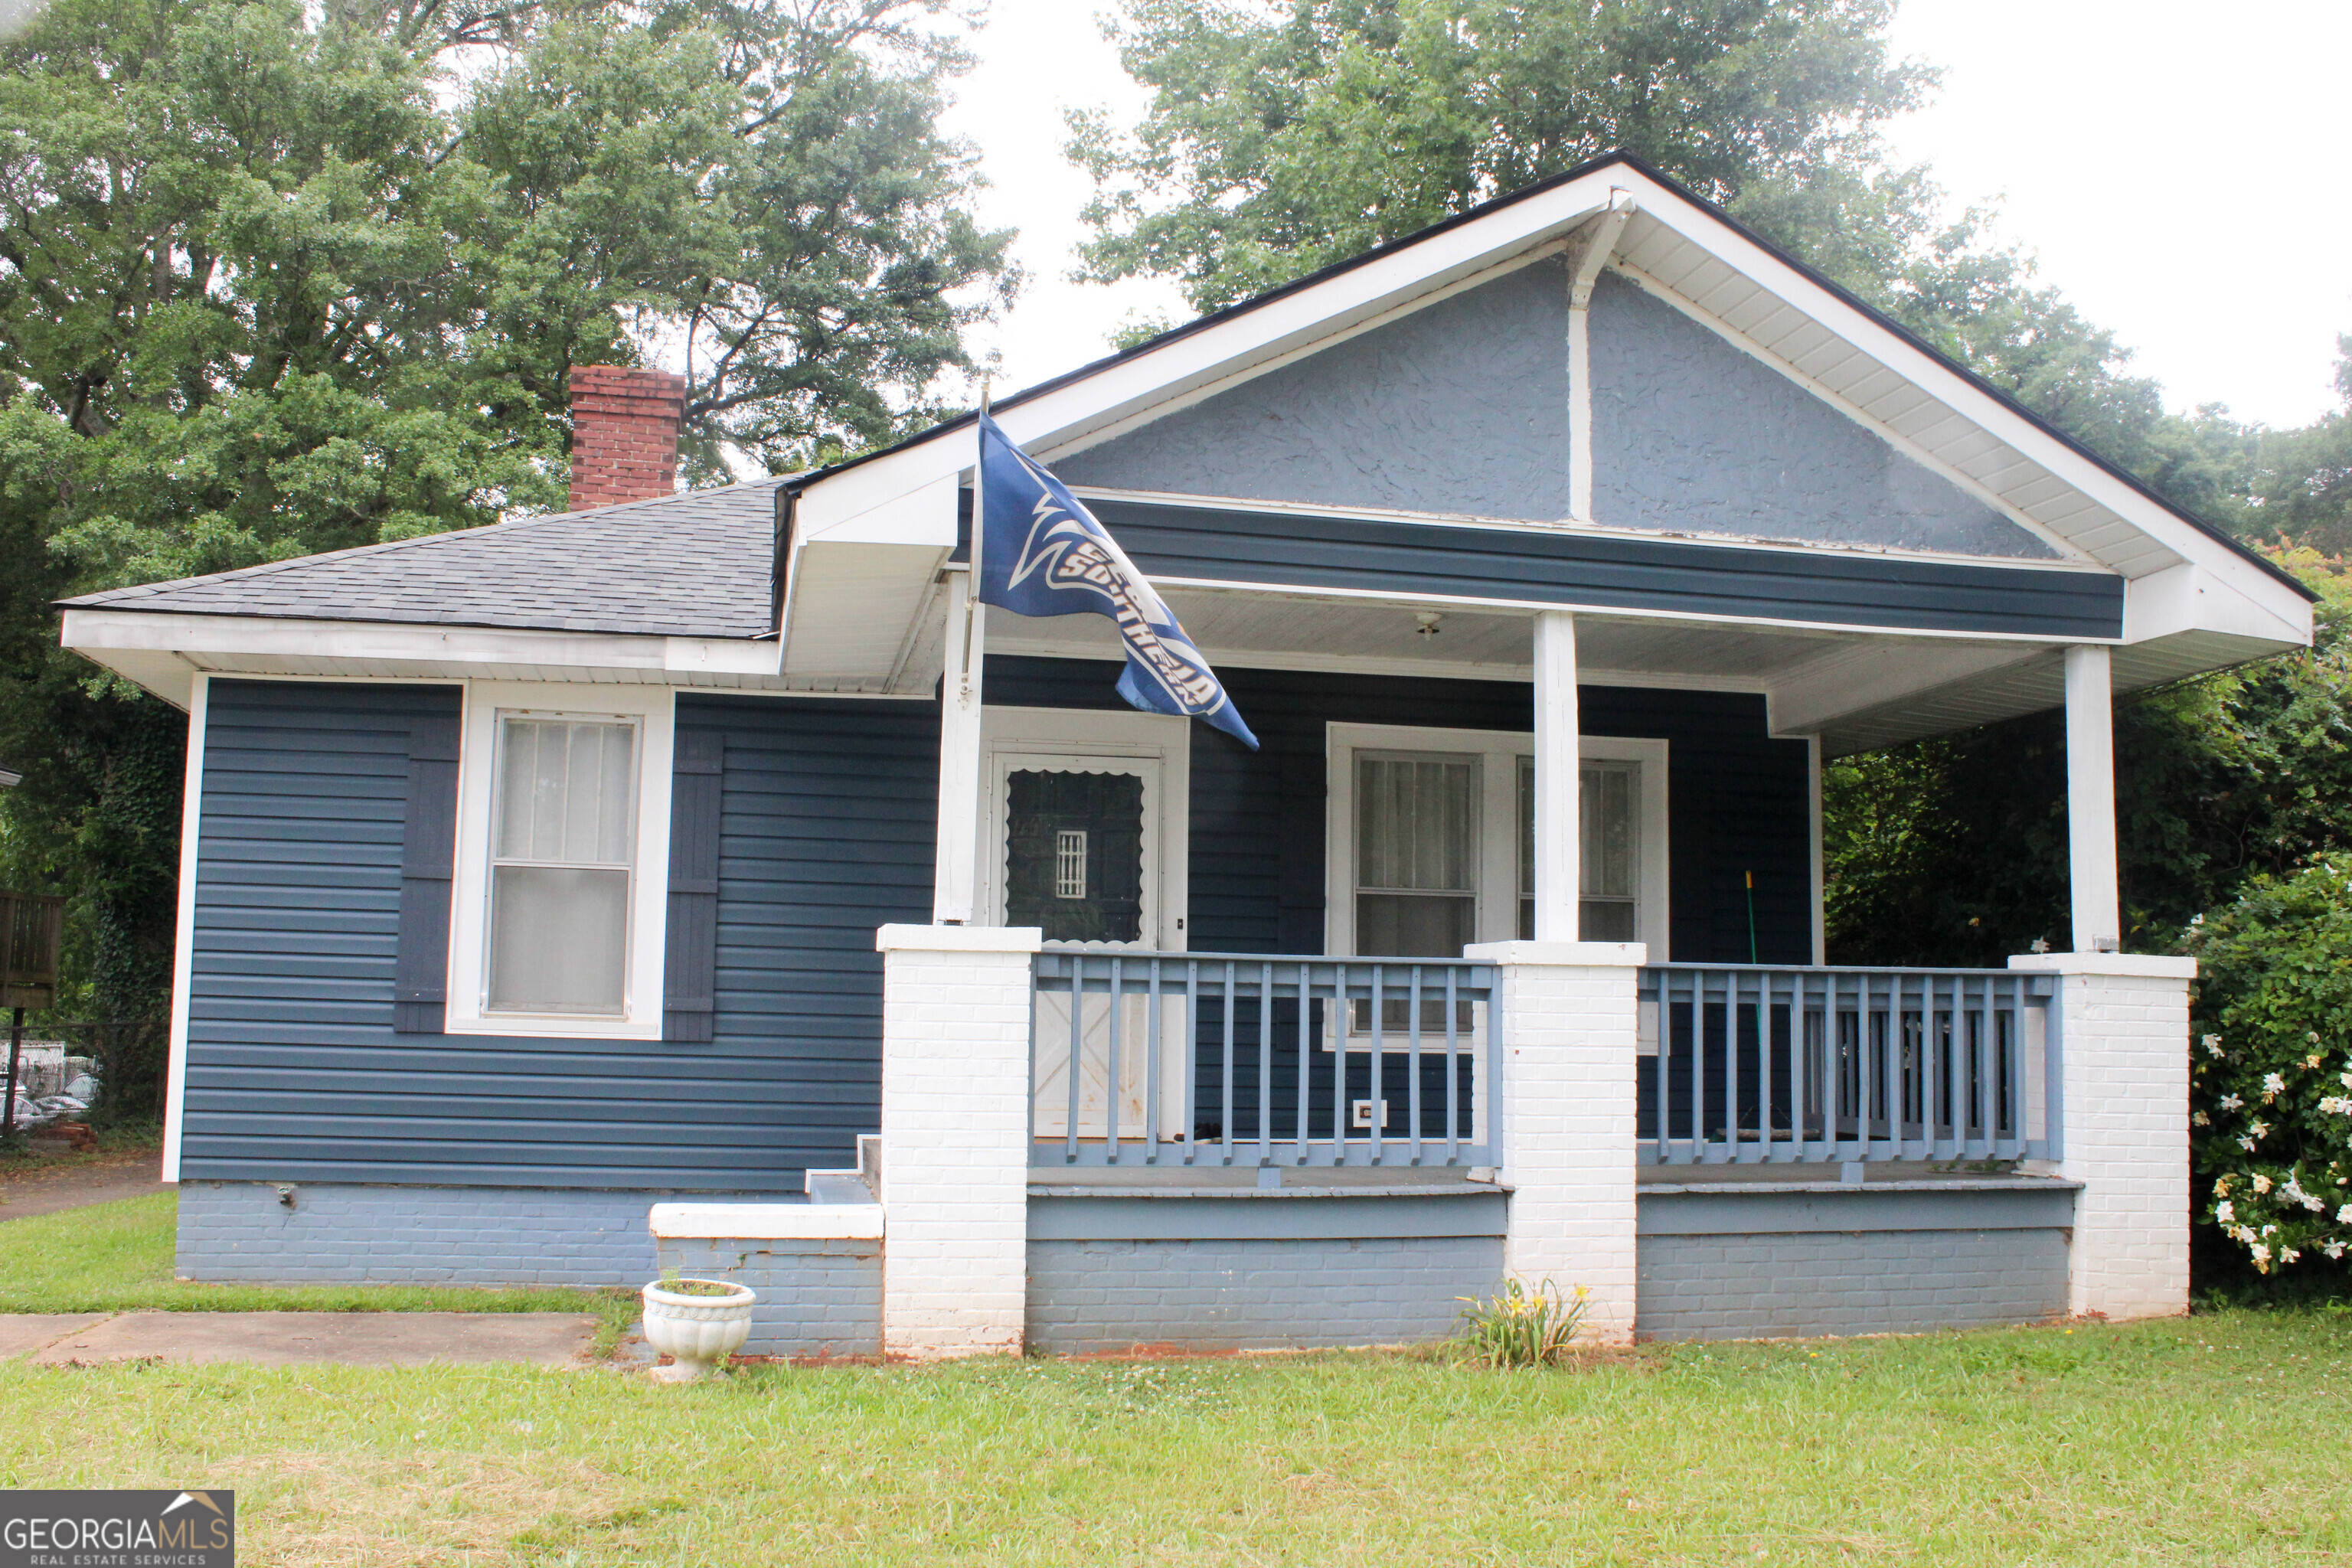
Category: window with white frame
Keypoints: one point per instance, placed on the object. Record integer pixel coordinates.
(562, 865)
(1609, 852)
(1432, 839)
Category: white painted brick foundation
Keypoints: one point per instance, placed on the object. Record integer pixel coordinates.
(955, 1138)
(2121, 1023)
(1569, 1129)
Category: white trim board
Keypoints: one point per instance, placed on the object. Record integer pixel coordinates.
(183, 934)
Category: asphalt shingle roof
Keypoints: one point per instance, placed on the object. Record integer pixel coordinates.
(694, 564)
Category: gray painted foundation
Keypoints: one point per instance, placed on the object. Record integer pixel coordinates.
(1735, 1261)
(816, 1298)
(1230, 1295)
(354, 1234)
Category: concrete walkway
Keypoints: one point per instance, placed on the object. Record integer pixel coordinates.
(291, 1339)
(79, 1183)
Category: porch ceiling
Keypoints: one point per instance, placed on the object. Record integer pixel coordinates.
(1355, 635)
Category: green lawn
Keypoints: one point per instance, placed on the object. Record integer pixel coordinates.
(2217, 1439)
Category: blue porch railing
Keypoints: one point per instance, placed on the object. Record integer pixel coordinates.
(1247, 1059)
(1751, 1065)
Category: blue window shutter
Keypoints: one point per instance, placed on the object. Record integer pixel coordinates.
(428, 854)
(690, 971)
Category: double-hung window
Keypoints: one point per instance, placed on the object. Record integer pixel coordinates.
(561, 865)
(1432, 840)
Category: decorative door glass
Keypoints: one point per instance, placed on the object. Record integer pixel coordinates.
(1074, 855)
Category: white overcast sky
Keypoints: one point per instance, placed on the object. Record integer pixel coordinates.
(2176, 166)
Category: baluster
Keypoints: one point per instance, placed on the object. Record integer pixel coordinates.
(1413, 1064)
(1151, 1068)
(1342, 1026)
(1265, 1064)
(1077, 1048)
(1380, 1048)
(1192, 1061)
(1225, 1127)
(1306, 1055)
(1110, 1066)
(1453, 1075)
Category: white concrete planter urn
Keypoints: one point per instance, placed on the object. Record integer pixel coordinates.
(696, 1323)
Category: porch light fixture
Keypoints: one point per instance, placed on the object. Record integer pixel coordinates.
(1428, 619)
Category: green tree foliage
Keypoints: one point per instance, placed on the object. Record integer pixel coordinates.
(276, 279)
(1282, 137)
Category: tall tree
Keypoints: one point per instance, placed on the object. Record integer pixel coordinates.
(279, 277)
(1281, 137)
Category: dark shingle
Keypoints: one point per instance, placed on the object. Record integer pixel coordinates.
(694, 564)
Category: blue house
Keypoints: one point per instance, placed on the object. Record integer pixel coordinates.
(701, 881)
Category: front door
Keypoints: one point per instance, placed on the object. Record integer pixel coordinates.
(1084, 838)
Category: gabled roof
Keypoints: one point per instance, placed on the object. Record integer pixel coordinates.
(1630, 251)
(696, 564)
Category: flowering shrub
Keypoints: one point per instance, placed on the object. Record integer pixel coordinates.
(2271, 1066)
(1521, 1326)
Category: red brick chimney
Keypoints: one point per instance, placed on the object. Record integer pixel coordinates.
(624, 434)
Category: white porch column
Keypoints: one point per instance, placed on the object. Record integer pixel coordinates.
(958, 853)
(1568, 1118)
(2090, 800)
(1559, 881)
(955, 1138)
(2120, 1026)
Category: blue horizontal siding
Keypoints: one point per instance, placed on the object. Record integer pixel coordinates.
(1575, 566)
(1737, 800)
(294, 1071)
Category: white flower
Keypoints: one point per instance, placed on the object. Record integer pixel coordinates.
(2199, 1118)
(2270, 1230)
(2197, 919)
(2259, 1129)
(2343, 1214)
(2262, 1255)
(2313, 1035)
(2289, 1255)
(2337, 1105)
(2225, 1213)
(2272, 1087)
(2262, 1183)
(2212, 1045)
(2334, 1249)
(2232, 1102)
(2312, 1060)
(2247, 1144)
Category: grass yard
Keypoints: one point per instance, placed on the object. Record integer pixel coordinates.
(2216, 1439)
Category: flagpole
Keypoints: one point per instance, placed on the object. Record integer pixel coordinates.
(979, 528)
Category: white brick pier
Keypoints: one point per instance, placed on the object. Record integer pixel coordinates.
(2121, 1024)
(955, 1137)
(1569, 1015)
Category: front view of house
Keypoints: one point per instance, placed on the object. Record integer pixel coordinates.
(699, 881)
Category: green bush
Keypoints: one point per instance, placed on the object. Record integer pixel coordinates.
(2271, 1067)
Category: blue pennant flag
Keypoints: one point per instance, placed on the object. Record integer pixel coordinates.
(1043, 553)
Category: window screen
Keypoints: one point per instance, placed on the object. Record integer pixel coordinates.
(561, 853)
(1416, 855)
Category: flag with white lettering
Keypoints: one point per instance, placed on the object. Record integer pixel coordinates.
(1043, 553)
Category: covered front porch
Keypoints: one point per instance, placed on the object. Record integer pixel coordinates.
(1351, 1027)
